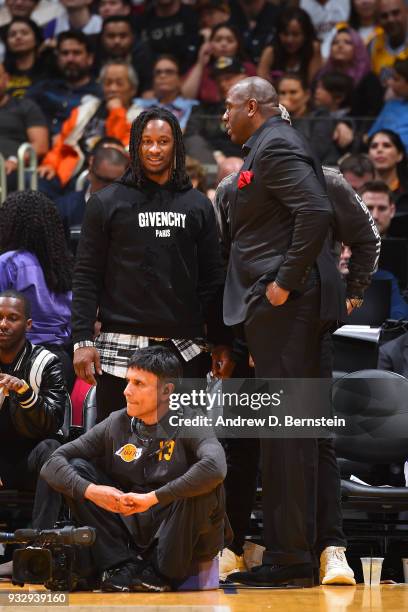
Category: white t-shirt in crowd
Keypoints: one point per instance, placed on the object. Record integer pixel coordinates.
(325, 16)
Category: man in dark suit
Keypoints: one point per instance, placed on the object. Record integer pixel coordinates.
(283, 286)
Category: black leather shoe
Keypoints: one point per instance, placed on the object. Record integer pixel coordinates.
(121, 577)
(149, 581)
(300, 575)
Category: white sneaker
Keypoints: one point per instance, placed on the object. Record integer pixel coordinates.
(334, 568)
(229, 563)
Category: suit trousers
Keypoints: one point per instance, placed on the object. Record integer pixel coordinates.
(284, 342)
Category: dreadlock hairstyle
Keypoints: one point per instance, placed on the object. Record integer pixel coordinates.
(30, 221)
(179, 177)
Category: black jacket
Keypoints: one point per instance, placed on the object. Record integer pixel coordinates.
(393, 355)
(39, 412)
(353, 225)
(149, 260)
(175, 465)
(279, 223)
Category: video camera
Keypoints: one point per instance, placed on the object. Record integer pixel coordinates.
(50, 557)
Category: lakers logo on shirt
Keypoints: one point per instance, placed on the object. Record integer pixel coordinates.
(129, 452)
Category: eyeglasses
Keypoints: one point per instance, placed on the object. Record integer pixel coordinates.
(393, 13)
(165, 71)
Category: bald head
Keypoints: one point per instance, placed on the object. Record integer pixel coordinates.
(249, 104)
(260, 90)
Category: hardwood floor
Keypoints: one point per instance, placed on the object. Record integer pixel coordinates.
(389, 598)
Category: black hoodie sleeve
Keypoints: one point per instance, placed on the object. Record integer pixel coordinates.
(210, 268)
(89, 270)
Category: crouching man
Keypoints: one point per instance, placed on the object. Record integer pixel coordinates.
(151, 492)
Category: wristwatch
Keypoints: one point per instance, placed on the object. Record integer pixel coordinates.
(356, 302)
(24, 388)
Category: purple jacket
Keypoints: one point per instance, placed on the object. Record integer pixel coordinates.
(51, 312)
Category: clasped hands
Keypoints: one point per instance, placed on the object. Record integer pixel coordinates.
(114, 500)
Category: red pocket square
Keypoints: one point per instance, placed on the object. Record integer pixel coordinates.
(245, 178)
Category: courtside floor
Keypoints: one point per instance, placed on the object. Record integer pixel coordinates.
(392, 598)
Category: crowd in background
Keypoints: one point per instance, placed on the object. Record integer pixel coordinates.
(75, 74)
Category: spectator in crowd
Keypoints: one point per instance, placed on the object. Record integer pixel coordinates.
(325, 15)
(392, 355)
(175, 254)
(35, 261)
(387, 152)
(205, 132)
(225, 41)
(227, 166)
(33, 400)
(167, 90)
(364, 18)
(211, 13)
(118, 42)
(24, 62)
(323, 133)
(333, 92)
(57, 97)
(107, 162)
(357, 169)
(391, 41)
(110, 8)
(394, 115)
(176, 515)
(89, 122)
(40, 11)
(256, 20)
(170, 26)
(294, 49)
(77, 16)
(378, 199)
(197, 174)
(21, 121)
(348, 55)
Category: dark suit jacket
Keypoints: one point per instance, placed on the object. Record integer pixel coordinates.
(393, 355)
(279, 224)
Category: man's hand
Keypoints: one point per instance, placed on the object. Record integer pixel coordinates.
(132, 503)
(222, 363)
(349, 306)
(105, 497)
(10, 383)
(46, 172)
(10, 166)
(113, 103)
(276, 295)
(87, 361)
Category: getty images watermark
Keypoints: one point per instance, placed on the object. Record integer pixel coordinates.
(255, 408)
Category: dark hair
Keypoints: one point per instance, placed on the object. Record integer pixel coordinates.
(17, 295)
(77, 35)
(295, 76)
(240, 53)
(9, 59)
(195, 169)
(170, 58)
(111, 155)
(402, 167)
(30, 221)
(354, 20)
(376, 186)
(106, 141)
(357, 163)
(401, 68)
(307, 49)
(117, 19)
(340, 85)
(158, 360)
(180, 177)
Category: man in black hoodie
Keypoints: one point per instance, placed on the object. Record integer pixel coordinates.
(148, 264)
